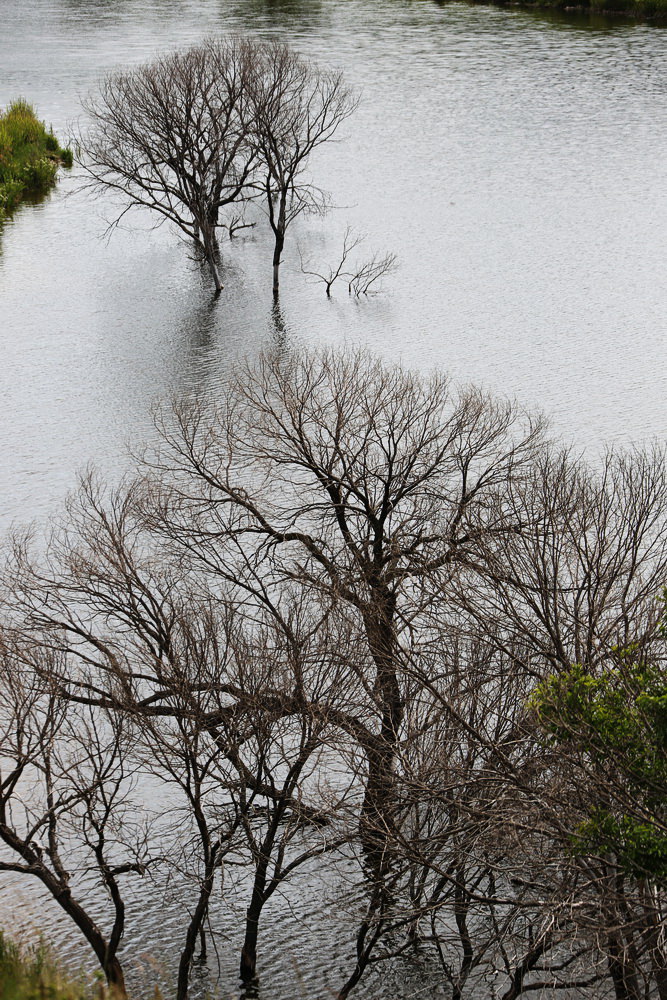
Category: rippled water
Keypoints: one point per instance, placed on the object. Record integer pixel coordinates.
(517, 163)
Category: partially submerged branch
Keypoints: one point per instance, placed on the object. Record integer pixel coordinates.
(361, 276)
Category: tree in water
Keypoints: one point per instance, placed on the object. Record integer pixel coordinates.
(172, 136)
(297, 107)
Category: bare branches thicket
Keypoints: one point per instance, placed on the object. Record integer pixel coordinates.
(174, 136)
(583, 574)
(319, 616)
(224, 707)
(475, 880)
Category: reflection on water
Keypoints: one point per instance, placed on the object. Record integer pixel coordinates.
(517, 164)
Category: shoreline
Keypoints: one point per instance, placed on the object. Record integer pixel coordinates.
(652, 13)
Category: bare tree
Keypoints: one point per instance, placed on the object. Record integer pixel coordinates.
(350, 242)
(356, 482)
(65, 799)
(297, 107)
(173, 136)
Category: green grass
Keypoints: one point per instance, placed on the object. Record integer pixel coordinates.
(29, 156)
(33, 975)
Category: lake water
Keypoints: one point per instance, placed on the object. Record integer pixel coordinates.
(516, 163)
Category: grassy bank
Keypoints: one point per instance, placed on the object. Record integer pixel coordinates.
(29, 156)
(33, 975)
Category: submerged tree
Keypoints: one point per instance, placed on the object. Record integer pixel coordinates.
(67, 818)
(174, 136)
(224, 121)
(297, 107)
(354, 481)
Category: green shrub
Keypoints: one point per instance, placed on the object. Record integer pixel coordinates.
(29, 156)
(39, 175)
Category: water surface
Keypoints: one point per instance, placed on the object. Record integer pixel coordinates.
(516, 163)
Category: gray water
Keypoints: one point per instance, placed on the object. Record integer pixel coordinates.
(515, 162)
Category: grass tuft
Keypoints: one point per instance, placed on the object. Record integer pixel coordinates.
(33, 975)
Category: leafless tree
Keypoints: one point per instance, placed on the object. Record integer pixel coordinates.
(350, 242)
(173, 136)
(194, 131)
(297, 107)
(355, 481)
(66, 807)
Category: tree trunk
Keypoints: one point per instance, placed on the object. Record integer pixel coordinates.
(623, 974)
(210, 245)
(377, 808)
(277, 253)
(61, 892)
(279, 227)
(248, 969)
(109, 963)
(196, 927)
(367, 936)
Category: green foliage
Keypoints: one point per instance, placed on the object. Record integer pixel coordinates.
(614, 727)
(33, 976)
(29, 156)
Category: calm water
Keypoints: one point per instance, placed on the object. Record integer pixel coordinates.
(517, 163)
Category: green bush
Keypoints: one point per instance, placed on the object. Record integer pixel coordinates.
(614, 729)
(29, 156)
